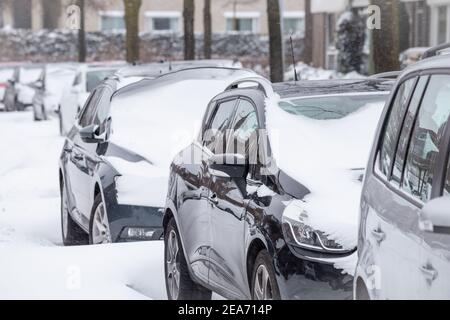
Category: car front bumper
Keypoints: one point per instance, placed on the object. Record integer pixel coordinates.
(301, 277)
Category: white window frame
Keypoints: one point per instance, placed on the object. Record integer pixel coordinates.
(434, 21)
(112, 14)
(294, 15)
(255, 16)
(150, 15)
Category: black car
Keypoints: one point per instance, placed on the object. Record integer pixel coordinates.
(236, 221)
(104, 182)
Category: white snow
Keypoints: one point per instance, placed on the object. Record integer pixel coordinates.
(306, 72)
(34, 264)
(321, 155)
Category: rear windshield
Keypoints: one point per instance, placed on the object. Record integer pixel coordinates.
(93, 78)
(330, 107)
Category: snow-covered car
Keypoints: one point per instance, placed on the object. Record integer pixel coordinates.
(19, 93)
(49, 88)
(263, 204)
(6, 74)
(114, 166)
(87, 78)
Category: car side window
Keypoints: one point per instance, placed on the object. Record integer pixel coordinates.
(88, 113)
(392, 129)
(447, 182)
(426, 138)
(214, 138)
(244, 132)
(408, 124)
(102, 111)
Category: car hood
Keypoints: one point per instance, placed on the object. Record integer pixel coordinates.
(327, 158)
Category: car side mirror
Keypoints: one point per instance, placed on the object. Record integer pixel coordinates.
(228, 165)
(90, 134)
(435, 216)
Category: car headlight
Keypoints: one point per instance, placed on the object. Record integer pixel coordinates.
(298, 233)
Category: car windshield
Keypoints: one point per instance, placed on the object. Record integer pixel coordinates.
(330, 107)
(93, 78)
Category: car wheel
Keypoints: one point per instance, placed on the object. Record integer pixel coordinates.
(264, 283)
(99, 232)
(72, 234)
(61, 129)
(179, 284)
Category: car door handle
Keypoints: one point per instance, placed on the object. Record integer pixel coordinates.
(429, 273)
(213, 199)
(379, 235)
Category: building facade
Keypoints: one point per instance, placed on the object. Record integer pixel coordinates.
(156, 16)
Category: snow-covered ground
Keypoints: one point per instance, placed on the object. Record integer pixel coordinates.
(33, 262)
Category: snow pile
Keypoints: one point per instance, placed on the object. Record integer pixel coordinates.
(321, 155)
(34, 265)
(306, 72)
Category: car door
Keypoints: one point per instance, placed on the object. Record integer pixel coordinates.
(392, 216)
(229, 200)
(82, 160)
(431, 152)
(193, 205)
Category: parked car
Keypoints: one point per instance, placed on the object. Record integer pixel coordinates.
(404, 235)
(264, 203)
(18, 93)
(87, 78)
(55, 79)
(113, 167)
(6, 74)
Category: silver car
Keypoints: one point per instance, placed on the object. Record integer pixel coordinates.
(404, 236)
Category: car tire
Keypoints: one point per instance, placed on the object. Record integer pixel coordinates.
(175, 267)
(99, 231)
(61, 129)
(72, 234)
(264, 283)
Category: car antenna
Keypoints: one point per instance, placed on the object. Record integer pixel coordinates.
(293, 59)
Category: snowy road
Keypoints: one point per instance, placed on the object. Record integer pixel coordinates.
(33, 262)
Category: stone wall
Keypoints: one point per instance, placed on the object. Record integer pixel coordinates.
(60, 46)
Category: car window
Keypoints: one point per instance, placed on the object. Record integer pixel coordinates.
(243, 134)
(94, 78)
(408, 124)
(87, 115)
(398, 109)
(102, 111)
(77, 80)
(426, 138)
(214, 138)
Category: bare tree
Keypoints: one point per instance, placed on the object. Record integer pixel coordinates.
(132, 8)
(1, 13)
(276, 41)
(207, 29)
(385, 44)
(81, 33)
(189, 36)
(307, 55)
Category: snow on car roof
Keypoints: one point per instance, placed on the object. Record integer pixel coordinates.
(324, 87)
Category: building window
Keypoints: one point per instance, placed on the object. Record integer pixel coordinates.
(442, 32)
(112, 21)
(163, 22)
(242, 22)
(294, 23)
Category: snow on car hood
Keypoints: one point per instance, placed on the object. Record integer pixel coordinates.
(321, 155)
(158, 123)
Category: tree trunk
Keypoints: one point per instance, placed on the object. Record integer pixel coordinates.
(207, 29)
(1, 13)
(385, 44)
(307, 55)
(132, 8)
(276, 41)
(81, 34)
(189, 37)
